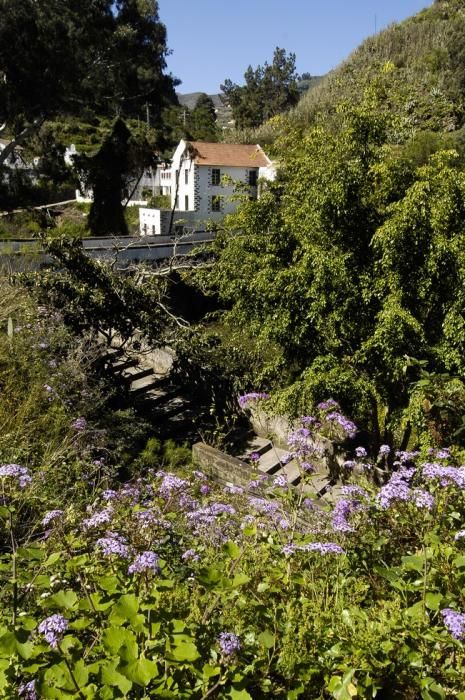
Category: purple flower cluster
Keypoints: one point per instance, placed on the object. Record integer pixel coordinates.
(170, 485)
(16, 471)
(422, 499)
(280, 481)
(98, 518)
(147, 561)
(330, 404)
(53, 628)
(347, 426)
(448, 476)
(190, 554)
(252, 397)
(113, 545)
(27, 691)
(455, 622)
(360, 452)
(394, 490)
(341, 512)
(458, 535)
(79, 425)
(321, 547)
(51, 515)
(384, 450)
(353, 490)
(229, 643)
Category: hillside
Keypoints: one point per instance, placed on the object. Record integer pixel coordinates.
(427, 81)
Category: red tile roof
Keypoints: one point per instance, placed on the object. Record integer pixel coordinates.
(229, 154)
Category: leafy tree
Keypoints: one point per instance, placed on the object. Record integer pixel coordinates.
(269, 90)
(349, 267)
(110, 174)
(59, 57)
(202, 120)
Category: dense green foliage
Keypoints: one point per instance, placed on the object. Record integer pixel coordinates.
(351, 263)
(269, 90)
(201, 123)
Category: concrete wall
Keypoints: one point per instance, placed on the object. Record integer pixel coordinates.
(220, 466)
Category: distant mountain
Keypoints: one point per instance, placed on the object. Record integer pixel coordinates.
(224, 114)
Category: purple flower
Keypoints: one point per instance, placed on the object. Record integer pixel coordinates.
(233, 489)
(308, 503)
(53, 628)
(444, 453)
(49, 389)
(16, 471)
(447, 476)
(394, 490)
(147, 561)
(423, 499)
(79, 425)
(254, 457)
(113, 544)
(98, 518)
(289, 549)
(329, 404)
(204, 489)
(341, 512)
(280, 480)
(384, 450)
(323, 548)
(171, 484)
(347, 426)
(51, 515)
(229, 643)
(307, 467)
(360, 452)
(308, 420)
(109, 495)
(27, 691)
(458, 535)
(455, 622)
(352, 490)
(286, 458)
(252, 397)
(349, 464)
(190, 554)
(405, 456)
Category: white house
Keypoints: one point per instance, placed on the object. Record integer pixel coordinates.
(203, 179)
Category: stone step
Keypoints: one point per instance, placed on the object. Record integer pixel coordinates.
(131, 374)
(316, 483)
(157, 394)
(292, 471)
(142, 385)
(270, 462)
(255, 444)
(124, 363)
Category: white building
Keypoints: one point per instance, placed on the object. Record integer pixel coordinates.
(203, 180)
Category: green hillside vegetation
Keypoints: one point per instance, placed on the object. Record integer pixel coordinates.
(428, 85)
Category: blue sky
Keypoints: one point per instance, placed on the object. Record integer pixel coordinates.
(216, 39)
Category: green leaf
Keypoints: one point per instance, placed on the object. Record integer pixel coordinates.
(413, 563)
(459, 562)
(267, 639)
(125, 609)
(110, 676)
(239, 580)
(141, 671)
(183, 651)
(63, 600)
(113, 638)
(233, 550)
(210, 671)
(53, 558)
(238, 694)
(295, 692)
(433, 600)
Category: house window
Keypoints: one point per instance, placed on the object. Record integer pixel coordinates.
(176, 175)
(153, 231)
(253, 177)
(176, 203)
(216, 177)
(186, 202)
(216, 203)
(186, 176)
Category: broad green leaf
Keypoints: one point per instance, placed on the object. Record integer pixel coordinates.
(113, 638)
(110, 676)
(433, 600)
(238, 694)
(414, 563)
(125, 608)
(183, 651)
(459, 562)
(210, 671)
(267, 639)
(141, 671)
(233, 550)
(64, 600)
(239, 580)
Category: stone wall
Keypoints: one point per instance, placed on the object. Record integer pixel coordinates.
(220, 466)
